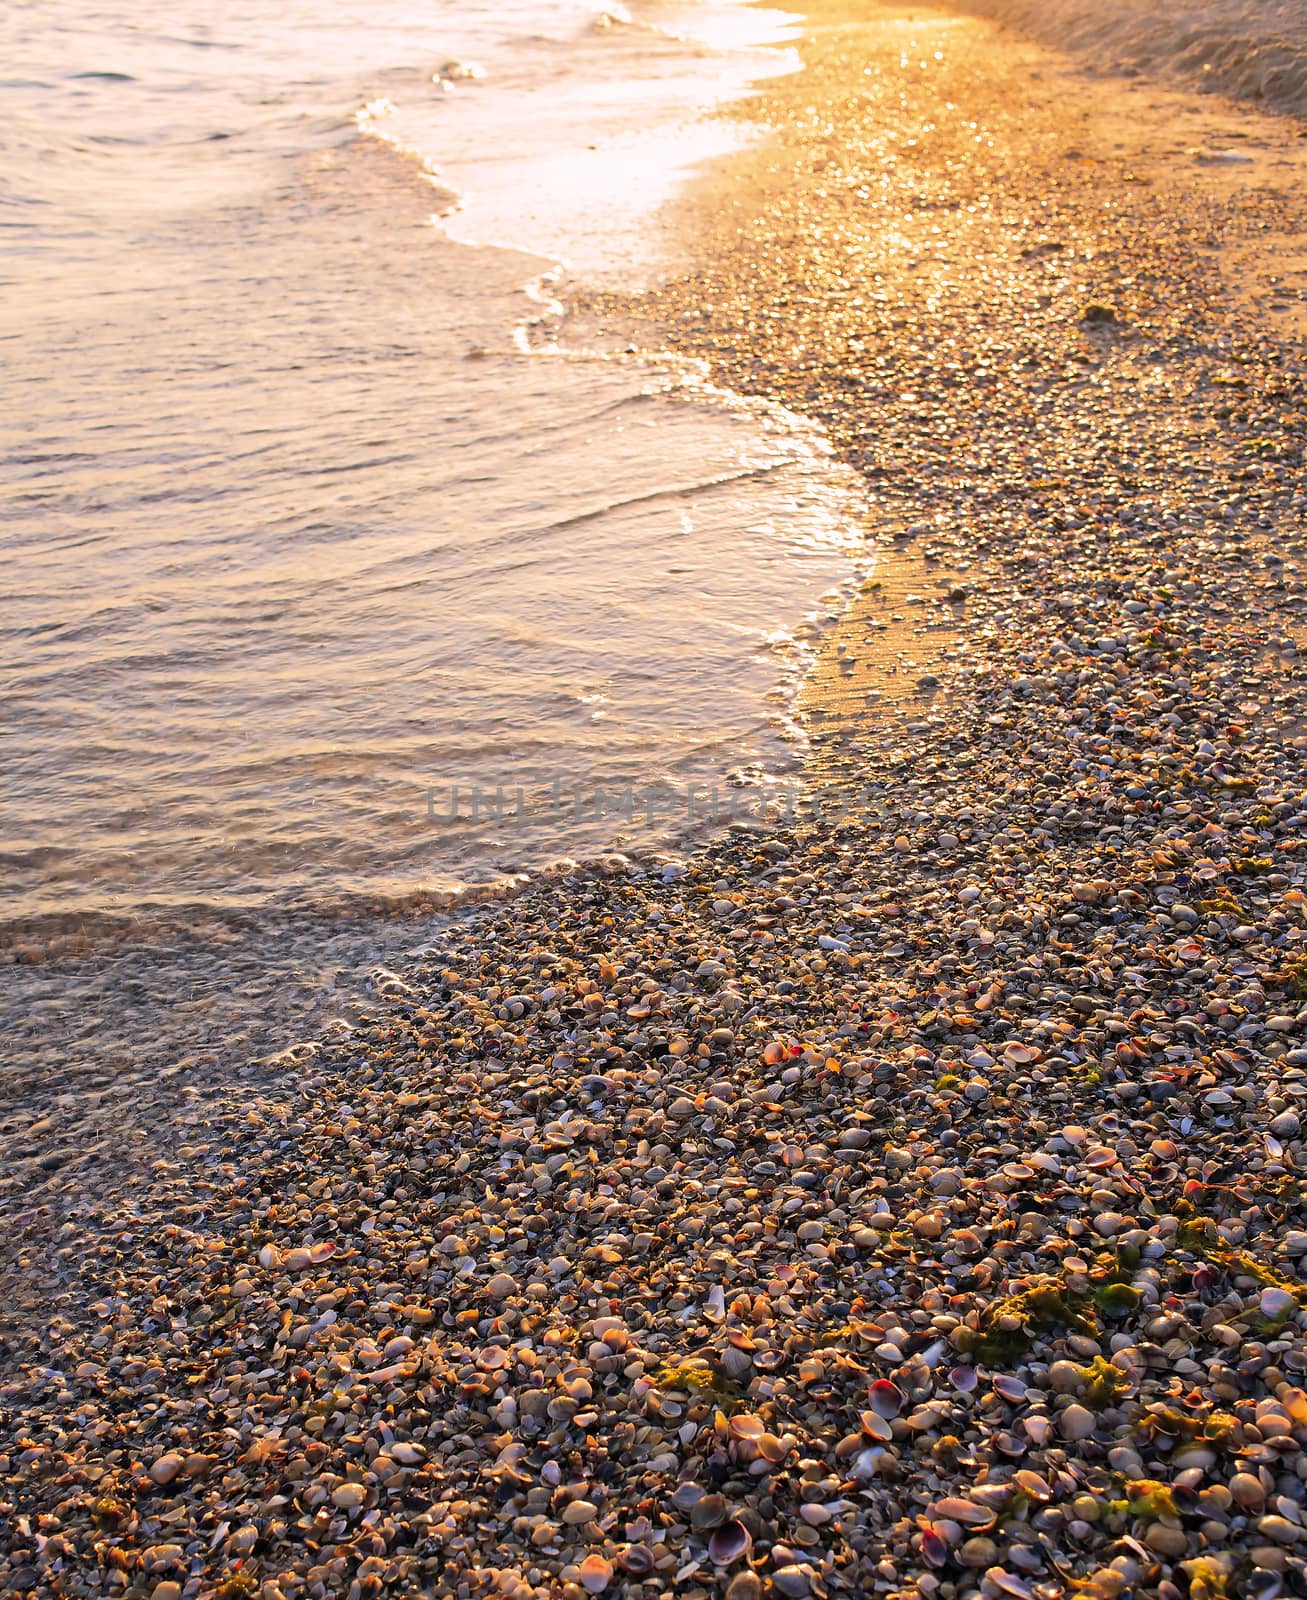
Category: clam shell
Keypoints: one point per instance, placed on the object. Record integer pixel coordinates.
(886, 1398)
(729, 1542)
(965, 1512)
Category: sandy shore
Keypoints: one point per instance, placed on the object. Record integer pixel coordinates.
(904, 1203)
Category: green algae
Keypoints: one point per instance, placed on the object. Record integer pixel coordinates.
(1200, 1236)
(1216, 1428)
(238, 1587)
(1209, 1579)
(1220, 905)
(108, 1512)
(1009, 1327)
(1105, 1383)
(1116, 1299)
(697, 1376)
(1150, 1500)
(1293, 977)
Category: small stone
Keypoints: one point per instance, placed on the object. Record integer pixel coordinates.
(1247, 1491)
(1277, 1302)
(1065, 1377)
(1166, 1540)
(166, 1468)
(744, 1586)
(1075, 1423)
(595, 1574)
(708, 1511)
(575, 1512)
(977, 1553)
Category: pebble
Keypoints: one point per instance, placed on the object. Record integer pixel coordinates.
(166, 1468)
(1076, 1423)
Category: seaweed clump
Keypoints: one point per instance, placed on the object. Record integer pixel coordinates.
(697, 1376)
(1105, 1383)
(1009, 1327)
(1293, 977)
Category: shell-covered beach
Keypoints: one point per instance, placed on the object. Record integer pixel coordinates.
(905, 1199)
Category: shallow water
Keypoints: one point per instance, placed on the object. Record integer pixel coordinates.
(309, 520)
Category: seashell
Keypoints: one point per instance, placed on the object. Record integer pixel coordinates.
(866, 1464)
(319, 1253)
(886, 1398)
(269, 1256)
(1021, 1055)
(735, 1363)
(1009, 1388)
(1031, 1484)
(993, 1496)
(747, 1426)
(729, 1542)
(595, 1574)
(963, 1379)
(1294, 1402)
(637, 1559)
(709, 1511)
(876, 1426)
(1037, 1429)
(1264, 1584)
(934, 1549)
(965, 1512)
(1009, 1583)
(772, 1449)
(687, 1495)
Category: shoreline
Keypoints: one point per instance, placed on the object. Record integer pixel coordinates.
(908, 1204)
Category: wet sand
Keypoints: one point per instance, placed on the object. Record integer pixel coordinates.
(907, 1201)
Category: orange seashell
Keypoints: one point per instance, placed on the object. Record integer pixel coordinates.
(747, 1426)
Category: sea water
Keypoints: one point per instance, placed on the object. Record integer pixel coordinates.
(313, 528)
